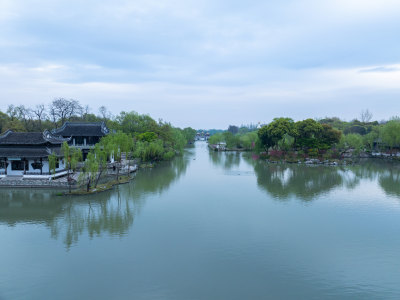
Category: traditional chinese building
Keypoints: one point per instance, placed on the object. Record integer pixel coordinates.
(26, 153)
(82, 135)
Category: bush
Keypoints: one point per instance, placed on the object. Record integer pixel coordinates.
(169, 155)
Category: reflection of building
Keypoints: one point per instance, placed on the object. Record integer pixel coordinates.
(26, 153)
(83, 135)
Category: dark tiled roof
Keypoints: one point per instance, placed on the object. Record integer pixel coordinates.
(82, 129)
(25, 152)
(30, 138)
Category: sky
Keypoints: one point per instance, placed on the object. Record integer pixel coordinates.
(204, 63)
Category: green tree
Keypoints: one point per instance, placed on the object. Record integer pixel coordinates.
(286, 143)
(265, 139)
(100, 155)
(147, 136)
(328, 137)
(189, 134)
(52, 163)
(307, 133)
(71, 157)
(390, 134)
(352, 141)
(89, 172)
(115, 145)
(216, 139)
(371, 138)
(278, 128)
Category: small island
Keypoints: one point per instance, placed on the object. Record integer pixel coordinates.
(325, 141)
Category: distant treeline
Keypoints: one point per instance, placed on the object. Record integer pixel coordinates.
(329, 137)
(153, 140)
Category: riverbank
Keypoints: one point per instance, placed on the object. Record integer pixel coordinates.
(62, 183)
(99, 188)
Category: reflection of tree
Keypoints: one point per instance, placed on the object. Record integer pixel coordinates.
(306, 182)
(227, 160)
(283, 181)
(110, 212)
(161, 177)
(390, 182)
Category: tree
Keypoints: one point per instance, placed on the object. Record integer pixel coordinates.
(3, 121)
(116, 144)
(286, 142)
(278, 128)
(233, 129)
(216, 139)
(62, 109)
(12, 112)
(189, 134)
(40, 112)
(147, 136)
(265, 139)
(390, 134)
(328, 137)
(104, 113)
(100, 155)
(71, 157)
(90, 170)
(52, 163)
(307, 133)
(371, 138)
(352, 141)
(366, 116)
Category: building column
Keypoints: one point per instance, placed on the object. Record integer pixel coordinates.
(5, 161)
(41, 166)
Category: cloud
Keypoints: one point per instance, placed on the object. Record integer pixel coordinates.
(381, 69)
(175, 58)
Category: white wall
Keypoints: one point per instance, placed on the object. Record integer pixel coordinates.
(45, 168)
(13, 172)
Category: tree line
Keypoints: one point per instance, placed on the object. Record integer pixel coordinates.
(328, 137)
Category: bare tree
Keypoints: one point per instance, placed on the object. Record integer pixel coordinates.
(85, 112)
(40, 112)
(53, 115)
(12, 112)
(62, 109)
(366, 116)
(25, 115)
(104, 113)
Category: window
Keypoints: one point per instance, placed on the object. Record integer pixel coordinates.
(36, 164)
(17, 165)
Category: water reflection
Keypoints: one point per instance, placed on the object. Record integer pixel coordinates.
(283, 181)
(111, 212)
(226, 160)
(390, 182)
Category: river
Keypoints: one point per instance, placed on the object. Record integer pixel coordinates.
(209, 226)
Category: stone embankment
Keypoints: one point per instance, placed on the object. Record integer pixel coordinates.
(60, 182)
(19, 181)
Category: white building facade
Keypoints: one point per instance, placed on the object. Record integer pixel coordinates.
(26, 153)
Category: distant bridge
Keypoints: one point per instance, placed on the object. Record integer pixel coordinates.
(202, 136)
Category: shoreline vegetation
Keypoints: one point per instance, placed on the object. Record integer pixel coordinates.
(134, 140)
(329, 141)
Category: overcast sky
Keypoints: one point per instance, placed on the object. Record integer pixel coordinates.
(205, 64)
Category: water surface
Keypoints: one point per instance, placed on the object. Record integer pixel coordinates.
(209, 226)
